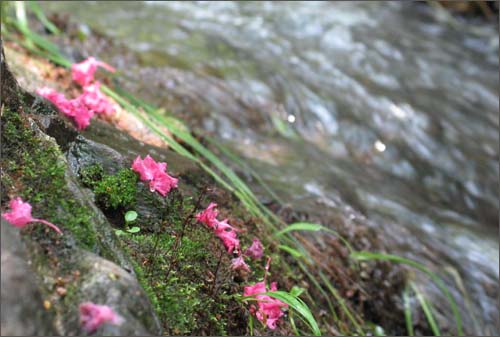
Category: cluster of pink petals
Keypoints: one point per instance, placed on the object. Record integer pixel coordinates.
(95, 100)
(74, 107)
(83, 72)
(222, 229)
(20, 215)
(82, 108)
(208, 216)
(228, 236)
(155, 173)
(239, 264)
(92, 316)
(269, 311)
(91, 101)
(256, 250)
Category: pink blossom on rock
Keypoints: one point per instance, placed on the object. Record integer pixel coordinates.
(83, 72)
(162, 183)
(95, 100)
(80, 113)
(208, 216)
(92, 316)
(269, 311)
(159, 180)
(147, 167)
(74, 108)
(20, 215)
(239, 263)
(256, 250)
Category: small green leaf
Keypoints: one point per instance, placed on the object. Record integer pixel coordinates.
(296, 291)
(290, 250)
(134, 229)
(299, 306)
(119, 232)
(130, 216)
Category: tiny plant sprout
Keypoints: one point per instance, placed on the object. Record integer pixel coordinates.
(134, 229)
(130, 216)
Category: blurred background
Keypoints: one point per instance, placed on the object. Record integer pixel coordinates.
(386, 108)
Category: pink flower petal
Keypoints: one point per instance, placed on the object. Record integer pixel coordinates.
(20, 215)
(74, 108)
(269, 311)
(95, 100)
(159, 180)
(92, 316)
(83, 72)
(230, 240)
(239, 263)
(208, 216)
(256, 250)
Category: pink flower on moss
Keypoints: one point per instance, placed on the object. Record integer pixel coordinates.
(223, 226)
(159, 180)
(83, 72)
(74, 108)
(269, 309)
(239, 264)
(95, 100)
(92, 316)
(256, 250)
(20, 215)
(227, 234)
(208, 216)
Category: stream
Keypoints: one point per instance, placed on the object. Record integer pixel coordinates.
(386, 108)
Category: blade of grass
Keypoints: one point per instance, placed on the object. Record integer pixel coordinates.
(35, 7)
(299, 306)
(436, 279)
(407, 306)
(295, 253)
(312, 227)
(236, 159)
(426, 306)
(342, 304)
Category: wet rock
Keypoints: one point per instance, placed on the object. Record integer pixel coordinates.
(47, 276)
(23, 312)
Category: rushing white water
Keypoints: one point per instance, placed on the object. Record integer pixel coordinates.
(385, 107)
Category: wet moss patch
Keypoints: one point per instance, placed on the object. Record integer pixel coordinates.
(33, 168)
(185, 272)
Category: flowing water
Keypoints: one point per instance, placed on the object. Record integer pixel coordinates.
(388, 109)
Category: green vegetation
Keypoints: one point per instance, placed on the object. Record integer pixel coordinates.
(178, 266)
(172, 264)
(436, 279)
(117, 191)
(32, 169)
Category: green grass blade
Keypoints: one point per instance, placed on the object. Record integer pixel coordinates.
(295, 253)
(299, 306)
(342, 304)
(312, 227)
(426, 306)
(364, 256)
(407, 308)
(35, 7)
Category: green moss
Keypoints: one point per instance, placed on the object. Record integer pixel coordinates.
(32, 169)
(117, 191)
(177, 274)
(91, 175)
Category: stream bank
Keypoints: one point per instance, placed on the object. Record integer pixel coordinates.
(178, 289)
